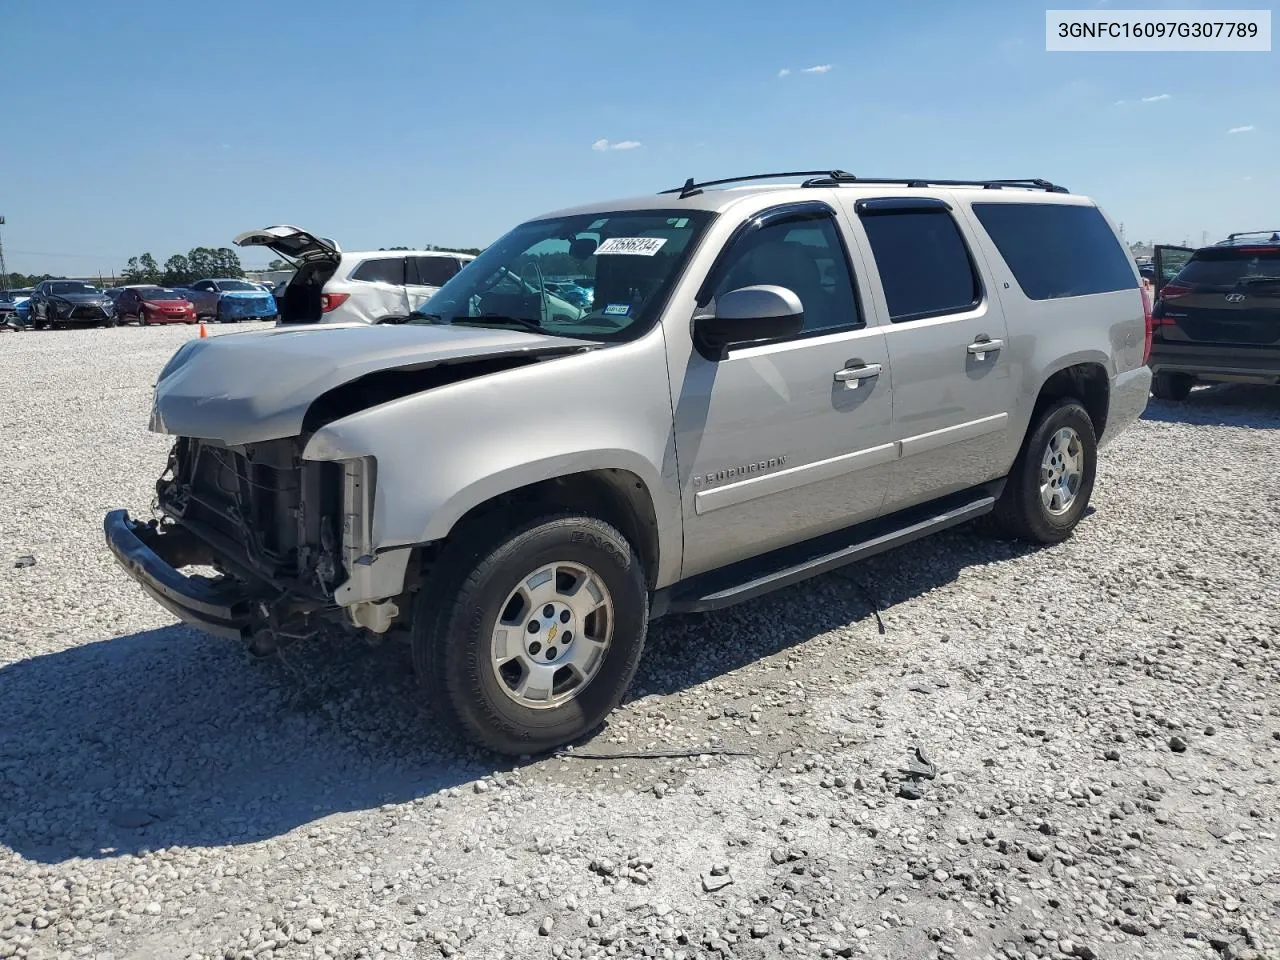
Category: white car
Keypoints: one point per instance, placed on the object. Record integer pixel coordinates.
(331, 286)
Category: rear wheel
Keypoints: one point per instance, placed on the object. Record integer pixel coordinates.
(1172, 386)
(1052, 478)
(526, 640)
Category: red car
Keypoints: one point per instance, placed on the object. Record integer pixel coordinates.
(151, 304)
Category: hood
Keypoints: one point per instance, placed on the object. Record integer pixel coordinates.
(292, 242)
(256, 386)
(93, 298)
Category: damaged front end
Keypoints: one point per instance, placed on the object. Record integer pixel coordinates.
(279, 536)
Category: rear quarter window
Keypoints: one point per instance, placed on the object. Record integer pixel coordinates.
(1057, 250)
(381, 270)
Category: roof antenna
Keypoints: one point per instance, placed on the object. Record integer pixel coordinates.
(690, 189)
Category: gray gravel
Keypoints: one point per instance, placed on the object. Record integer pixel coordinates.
(1098, 728)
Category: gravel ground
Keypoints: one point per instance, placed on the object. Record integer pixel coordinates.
(1099, 728)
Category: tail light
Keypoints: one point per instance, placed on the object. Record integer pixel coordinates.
(1172, 290)
(1148, 323)
(332, 301)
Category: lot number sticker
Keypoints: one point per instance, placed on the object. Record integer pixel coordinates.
(635, 246)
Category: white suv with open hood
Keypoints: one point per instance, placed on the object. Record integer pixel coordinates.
(331, 286)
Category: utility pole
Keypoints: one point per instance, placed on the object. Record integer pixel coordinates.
(4, 271)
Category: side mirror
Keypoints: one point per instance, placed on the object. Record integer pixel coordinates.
(763, 312)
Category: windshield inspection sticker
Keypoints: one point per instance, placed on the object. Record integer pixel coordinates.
(617, 310)
(635, 246)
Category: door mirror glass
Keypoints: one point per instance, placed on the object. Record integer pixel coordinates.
(748, 314)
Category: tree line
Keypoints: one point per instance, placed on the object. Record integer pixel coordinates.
(199, 263)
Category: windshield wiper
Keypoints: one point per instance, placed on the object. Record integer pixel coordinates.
(489, 319)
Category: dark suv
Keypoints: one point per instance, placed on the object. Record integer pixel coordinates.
(1217, 314)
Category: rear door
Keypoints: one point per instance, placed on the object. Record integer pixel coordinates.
(1228, 295)
(377, 288)
(425, 275)
(948, 345)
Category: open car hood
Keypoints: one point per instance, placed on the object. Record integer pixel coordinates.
(256, 386)
(292, 242)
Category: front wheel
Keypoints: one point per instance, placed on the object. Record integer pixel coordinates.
(528, 639)
(1172, 386)
(1049, 487)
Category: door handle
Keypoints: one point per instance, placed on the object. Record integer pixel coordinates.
(853, 375)
(981, 347)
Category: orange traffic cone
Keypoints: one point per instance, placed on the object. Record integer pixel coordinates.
(203, 331)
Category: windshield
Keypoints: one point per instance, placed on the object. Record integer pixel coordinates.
(239, 285)
(1226, 268)
(156, 293)
(596, 276)
(71, 286)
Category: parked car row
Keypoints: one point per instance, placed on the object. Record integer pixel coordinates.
(60, 303)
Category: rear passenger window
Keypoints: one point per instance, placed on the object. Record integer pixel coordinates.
(1057, 250)
(432, 271)
(381, 271)
(923, 262)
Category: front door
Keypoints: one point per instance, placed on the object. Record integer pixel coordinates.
(425, 275)
(1168, 262)
(781, 441)
(952, 383)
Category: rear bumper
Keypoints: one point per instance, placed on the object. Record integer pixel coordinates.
(152, 558)
(1259, 364)
(1129, 395)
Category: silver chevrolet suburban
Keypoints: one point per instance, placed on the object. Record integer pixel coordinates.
(769, 380)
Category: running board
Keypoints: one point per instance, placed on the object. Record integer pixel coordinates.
(783, 568)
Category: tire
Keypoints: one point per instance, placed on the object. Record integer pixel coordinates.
(1172, 386)
(1021, 510)
(142, 318)
(456, 624)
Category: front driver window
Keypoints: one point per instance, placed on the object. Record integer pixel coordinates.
(804, 255)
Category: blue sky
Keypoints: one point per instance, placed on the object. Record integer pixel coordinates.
(154, 126)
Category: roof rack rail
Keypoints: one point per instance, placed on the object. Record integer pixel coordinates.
(1233, 237)
(835, 178)
(1030, 183)
(691, 188)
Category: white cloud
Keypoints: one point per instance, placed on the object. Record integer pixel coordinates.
(1120, 103)
(820, 68)
(1157, 97)
(603, 144)
(784, 72)
(1248, 178)
(1247, 128)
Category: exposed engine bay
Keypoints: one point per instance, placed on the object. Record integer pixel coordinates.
(260, 515)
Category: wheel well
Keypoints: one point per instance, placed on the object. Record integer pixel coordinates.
(1086, 382)
(617, 497)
